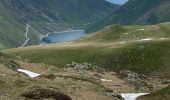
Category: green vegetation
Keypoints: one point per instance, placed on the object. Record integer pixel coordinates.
(143, 12)
(111, 33)
(118, 33)
(104, 49)
(8, 61)
(147, 57)
(138, 12)
(1, 46)
(163, 94)
(143, 49)
(47, 16)
(151, 58)
(15, 85)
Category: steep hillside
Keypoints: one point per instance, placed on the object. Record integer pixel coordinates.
(142, 12)
(138, 12)
(47, 16)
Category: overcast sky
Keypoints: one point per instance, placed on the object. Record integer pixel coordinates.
(117, 1)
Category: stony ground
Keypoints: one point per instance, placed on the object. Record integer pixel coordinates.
(78, 84)
(127, 50)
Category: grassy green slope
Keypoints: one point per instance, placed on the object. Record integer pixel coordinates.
(7, 30)
(47, 16)
(138, 12)
(148, 57)
(117, 33)
(163, 94)
(153, 59)
(133, 10)
(162, 13)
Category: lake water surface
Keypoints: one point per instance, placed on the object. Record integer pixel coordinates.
(63, 36)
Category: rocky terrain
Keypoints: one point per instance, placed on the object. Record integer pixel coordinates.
(67, 83)
(110, 63)
(76, 81)
(116, 62)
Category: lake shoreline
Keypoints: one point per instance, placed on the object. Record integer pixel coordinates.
(62, 36)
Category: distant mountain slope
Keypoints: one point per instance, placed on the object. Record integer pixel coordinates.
(47, 15)
(68, 11)
(139, 12)
(142, 12)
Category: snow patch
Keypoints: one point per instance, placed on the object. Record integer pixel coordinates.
(142, 29)
(106, 80)
(2, 74)
(164, 38)
(132, 96)
(147, 39)
(121, 42)
(29, 73)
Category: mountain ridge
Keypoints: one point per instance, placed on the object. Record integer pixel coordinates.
(138, 12)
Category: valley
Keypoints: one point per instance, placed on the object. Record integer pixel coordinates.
(47, 16)
(135, 48)
(84, 50)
